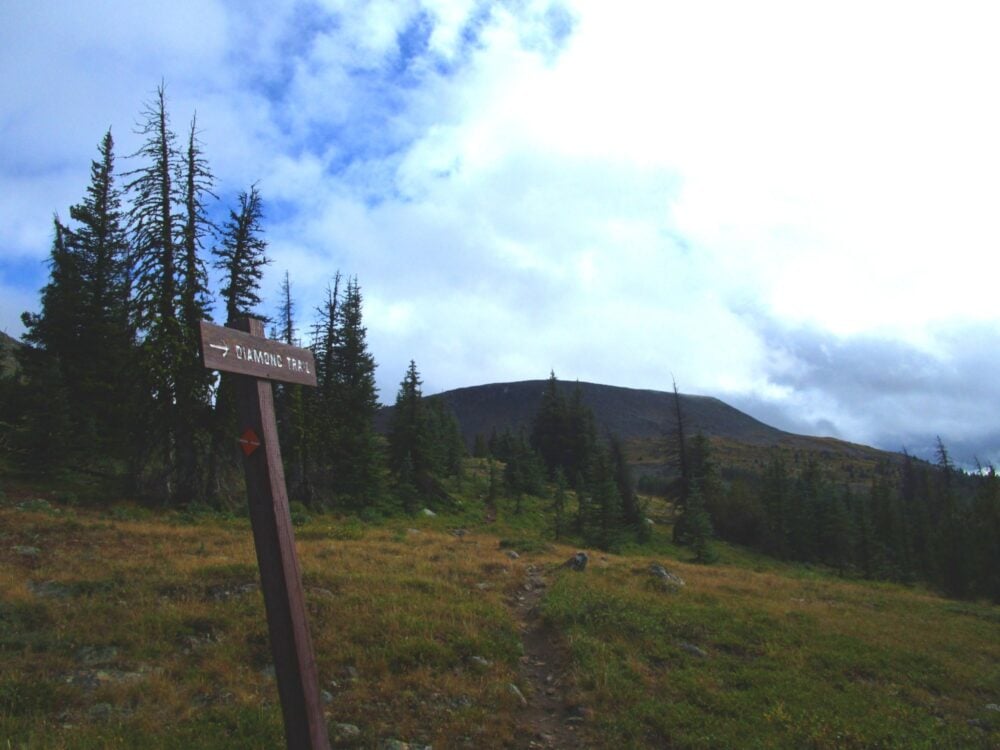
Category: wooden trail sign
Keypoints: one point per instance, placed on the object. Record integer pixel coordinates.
(236, 351)
(258, 361)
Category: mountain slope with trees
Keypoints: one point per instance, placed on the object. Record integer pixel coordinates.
(638, 416)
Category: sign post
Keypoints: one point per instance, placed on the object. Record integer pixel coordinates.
(243, 350)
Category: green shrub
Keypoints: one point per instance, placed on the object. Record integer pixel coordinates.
(299, 512)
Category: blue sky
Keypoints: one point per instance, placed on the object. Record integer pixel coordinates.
(787, 205)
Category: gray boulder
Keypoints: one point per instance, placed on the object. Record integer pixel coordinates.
(669, 581)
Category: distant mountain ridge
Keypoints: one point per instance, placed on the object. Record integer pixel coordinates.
(629, 413)
(634, 415)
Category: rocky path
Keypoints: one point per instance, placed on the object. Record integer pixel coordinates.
(548, 720)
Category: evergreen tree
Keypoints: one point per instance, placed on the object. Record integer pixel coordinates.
(807, 512)
(447, 446)
(155, 226)
(524, 472)
(914, 491)
(837, 534)
(681, 531)
(865, 545)
(550, 428)
(324, 346)
(951, 545)
(44, 438)
(581, 436)
(103, 383)
(355, 457)
(241, 256)
(406, 485)
(286, 314)
(986, 538)
(775, 499)
(320, 403)
(80, 364)
(699, 526)
(479, 446)
(58, 328)
(408, 437)
(601, 514)
(559, 505)
(194, 382)
(491, 487)
(563, 432)
(737, 513)
(631, 511)
(290, 407)
(196, 227)
(892, 558)
(700, 469)
(153, 219)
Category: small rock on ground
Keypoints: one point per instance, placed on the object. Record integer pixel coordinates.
(693, 650)
(340, 732)
(518, 694)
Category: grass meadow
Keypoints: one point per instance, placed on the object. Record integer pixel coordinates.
(122, 627)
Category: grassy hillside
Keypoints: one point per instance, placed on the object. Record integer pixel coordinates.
(125, 628)
(843, 463)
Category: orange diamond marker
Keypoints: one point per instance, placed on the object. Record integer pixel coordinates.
(249, 441)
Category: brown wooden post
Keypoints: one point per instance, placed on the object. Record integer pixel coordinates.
(274, 539)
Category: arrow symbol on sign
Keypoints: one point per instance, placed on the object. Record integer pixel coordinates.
(222, 348)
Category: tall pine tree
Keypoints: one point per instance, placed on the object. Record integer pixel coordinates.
(169, 225)
(241, 256)
(321, 402)
(81, 334)
(194, 382)
(355, 455)
(101, 244)
(408, 431)
(407, 438)
(155, 228)
(289, 402)
(549, 430)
